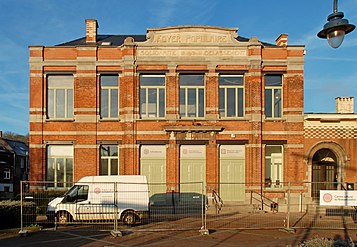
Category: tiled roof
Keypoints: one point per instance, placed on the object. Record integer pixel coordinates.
(117, 40)
(18, 147)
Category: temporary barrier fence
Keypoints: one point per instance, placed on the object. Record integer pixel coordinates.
(114, 206)
(185, 206)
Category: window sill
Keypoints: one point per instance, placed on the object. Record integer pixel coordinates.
(280, 189)
(275, 119)
(60, 120)
(58, 188)
(192, 118)
(152, 119)
(233, 118)
(109, 120)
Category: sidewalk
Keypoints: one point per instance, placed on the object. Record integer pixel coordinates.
(80, 236)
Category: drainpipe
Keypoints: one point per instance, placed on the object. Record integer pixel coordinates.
(261, 138)
(13, 174)
(27, 165)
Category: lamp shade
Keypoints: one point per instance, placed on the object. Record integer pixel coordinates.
(335, 38)
(335, 29)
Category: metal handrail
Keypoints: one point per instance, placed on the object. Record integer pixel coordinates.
(217, 200)
(263, 201)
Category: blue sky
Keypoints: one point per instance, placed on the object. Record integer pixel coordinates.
(329, 73)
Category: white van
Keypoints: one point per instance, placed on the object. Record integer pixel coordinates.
(123, 198)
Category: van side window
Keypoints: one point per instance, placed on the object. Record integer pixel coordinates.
(77, 193)
(83, 193)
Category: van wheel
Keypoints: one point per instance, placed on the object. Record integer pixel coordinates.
(63, 218)
(129, 218)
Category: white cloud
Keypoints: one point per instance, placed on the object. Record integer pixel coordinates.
(162, 11)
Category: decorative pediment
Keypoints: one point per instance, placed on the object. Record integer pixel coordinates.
(200, 35)
(188, 43)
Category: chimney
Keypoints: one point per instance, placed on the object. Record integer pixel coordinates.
(344, 105)
(282, 40)
(91, 31)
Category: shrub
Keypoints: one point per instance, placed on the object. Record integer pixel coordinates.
(10, 214)
(324, 242)
(42, 198)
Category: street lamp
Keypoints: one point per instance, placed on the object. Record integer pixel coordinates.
(336, 28)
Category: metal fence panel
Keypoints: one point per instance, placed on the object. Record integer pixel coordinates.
(113, 206)
(174, 209)
(311, 214)
(254, 211)
(35, 197)
(292, 205)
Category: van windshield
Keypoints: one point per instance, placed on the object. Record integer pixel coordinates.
(77, 193)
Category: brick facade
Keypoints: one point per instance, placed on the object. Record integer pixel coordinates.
(170, 52)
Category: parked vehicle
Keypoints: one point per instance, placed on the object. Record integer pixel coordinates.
(177, 203)
(124, 198)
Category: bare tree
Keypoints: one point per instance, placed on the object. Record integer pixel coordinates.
(16, 137)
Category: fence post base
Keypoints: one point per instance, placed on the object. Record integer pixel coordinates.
(23, 233)
(116, 233)
(288, 230)
(204, 231)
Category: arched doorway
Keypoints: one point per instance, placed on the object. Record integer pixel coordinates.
(324, 171)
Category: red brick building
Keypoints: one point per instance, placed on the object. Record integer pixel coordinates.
(179, 104)
(331, 147)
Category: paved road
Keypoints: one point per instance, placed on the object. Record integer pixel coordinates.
(79, 236)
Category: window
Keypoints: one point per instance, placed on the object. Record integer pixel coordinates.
(59, 165)
(192, 96)
(152, 96)
(109, 96)
(273, 166)
(109, 160)
(7, 174)
(22, 163)
(231, 96)
(60, 96)
(273, 96)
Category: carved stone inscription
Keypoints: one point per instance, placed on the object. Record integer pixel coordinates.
(190, 53)
(192, 38)
(191, 42)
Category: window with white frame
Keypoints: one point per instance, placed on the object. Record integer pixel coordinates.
(192, 96)
(231, 96)
(109, 96)
(152, 96)
(273, 166)
(59, 165)
(273, 96)
(60, 96)
(7, 174)
(109, 160)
